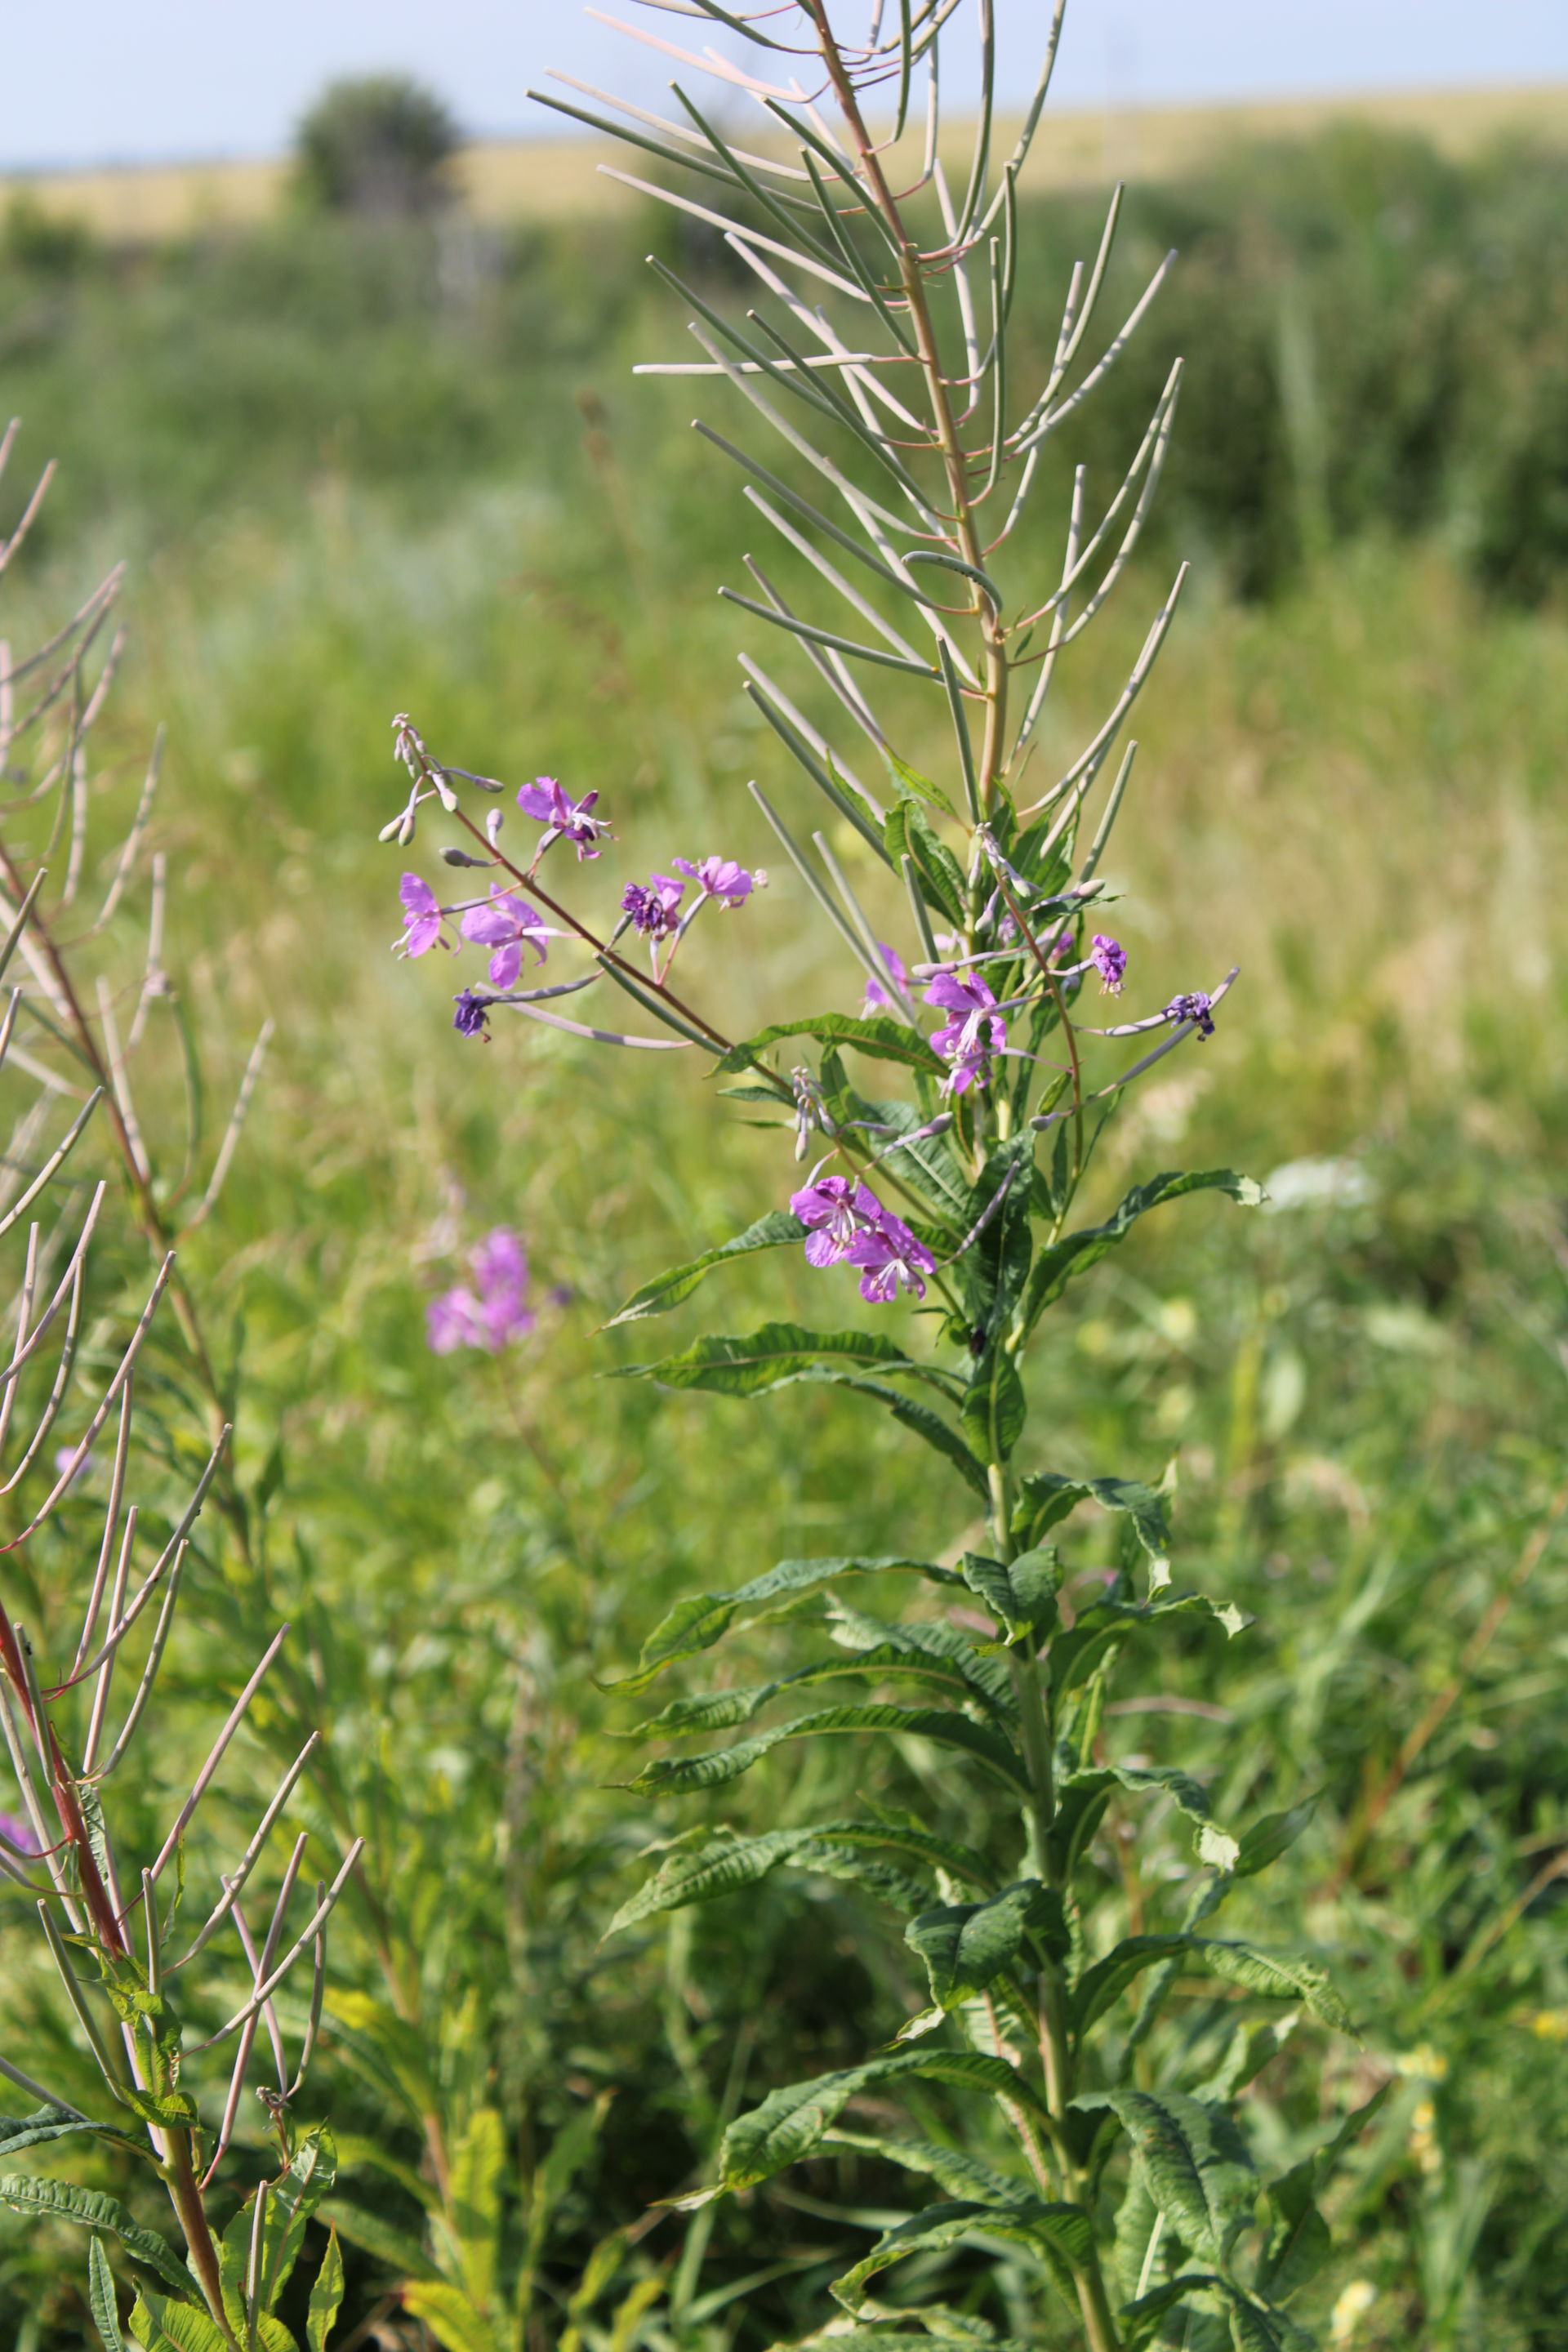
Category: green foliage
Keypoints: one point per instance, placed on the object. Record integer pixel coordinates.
(378, 146)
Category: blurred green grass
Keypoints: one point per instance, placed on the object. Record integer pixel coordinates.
(352, 487)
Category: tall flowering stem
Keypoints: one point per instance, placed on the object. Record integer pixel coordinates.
(1090, 2125)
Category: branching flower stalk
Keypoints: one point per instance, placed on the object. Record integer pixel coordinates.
(1091, 2127)
(79, 1683)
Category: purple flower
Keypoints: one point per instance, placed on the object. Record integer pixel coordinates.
(654, 906)
(561, 814)
(975, 1032)
(18, 1834)
(721, 877)
(495, 1312)
(1109, 961)
(421, 915)
(504, 924)
(838, 1209)
(877, 990)
(889, 1255)
(472, 1015)
(1196, 1007)
(64, 1457)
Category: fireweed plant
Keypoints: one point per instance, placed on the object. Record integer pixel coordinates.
(1114, 2168)
(193, 2002)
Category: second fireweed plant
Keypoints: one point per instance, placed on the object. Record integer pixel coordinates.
(1089, 2145)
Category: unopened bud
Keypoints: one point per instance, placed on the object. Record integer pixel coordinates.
(494, 820)
(447, 797)
(405, 829)
(461, 858)
(393, 832)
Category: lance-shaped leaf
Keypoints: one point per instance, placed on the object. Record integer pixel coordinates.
(1075, 1253)
(945, 1726)
(939, 1435)
(1197, 2165)
(17, 2132)
(1139, 2322)
(1259, 2327)
(292, 2199)
(1243, 1964)
(996, 1222)
(1268, 1839)
(995, 1408)
(1105, 1625)
(1298, 2238)
(685, 1718)
(769, 1358)
(882, 1040)
(908, 834)
(966, 1946)
(952, 2169)
(161, 2324)
(703, 1617)
(1021, 1594)
(326, 2295)
(1060, 2235)
(61, 2200)
(668, 1290)
(101, 2299)
(1045, 1499)
(790, 2121)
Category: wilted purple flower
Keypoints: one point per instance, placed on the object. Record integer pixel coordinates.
(561, 814)
(889, 1255)
(421, 915)
(503, 924)
(495, 1312)
(838, 1209)
(721, 878)
(654, 906)
(18, 1834)
(1109, 958)
(975, 1032)
(877, 990)
(472, 1015)
(1196, 1007)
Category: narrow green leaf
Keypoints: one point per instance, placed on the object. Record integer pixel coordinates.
(1059, 2231)
(953, 2169)
(668, 1290)
(769, 1358)
(882, 1039)
(908, 835)
(945, 1726)
(170, 2110)
(326, 2295)
(101, 2299)
(17, 2132)
(937, 1433)
(914, 786)
(790, 2121)
(1075, 1253)
(161, 2324)
(1200, 2173)
(1139, 2322)
(61, 2200)
(453, 2320)
(703, 1617)
(374, 2236)
(1268, 1839)
(1045, 1499)
(966, 1946)
(477, 2164)
(995, 1408)
(1020, 1595)
(1242, 1964)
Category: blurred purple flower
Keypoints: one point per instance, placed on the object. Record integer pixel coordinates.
(18, 1834)
(838, 1208)
(66, 1455)
(975, 1032)
(472, 1015)
(721, 877)
(495, 1312)
(1109, 958)
(877, 990)
(503, 924)
(889, 1255)
(562, 815)
(421, 915)
(1196, 1007)
(654, 906)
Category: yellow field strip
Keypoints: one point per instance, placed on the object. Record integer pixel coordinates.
(555, 179)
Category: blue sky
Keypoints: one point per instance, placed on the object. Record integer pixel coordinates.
(93, 81)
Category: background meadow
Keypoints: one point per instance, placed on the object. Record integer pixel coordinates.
(364, 468)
